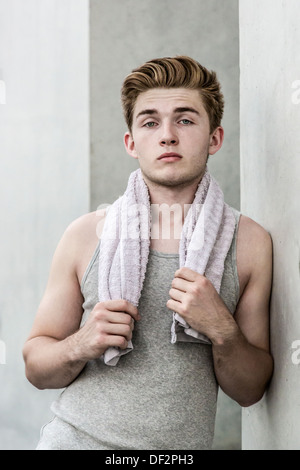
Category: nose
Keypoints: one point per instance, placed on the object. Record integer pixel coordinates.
(169, 136)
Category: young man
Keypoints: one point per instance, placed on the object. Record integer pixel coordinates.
(161, 394)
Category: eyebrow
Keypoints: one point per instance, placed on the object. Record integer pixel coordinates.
(147, 111)
(186, 109)
(183, 109)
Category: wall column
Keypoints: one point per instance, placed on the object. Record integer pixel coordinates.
(44, 180)
(270, 182)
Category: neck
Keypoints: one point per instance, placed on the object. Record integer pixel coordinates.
(181, 194)
(169, 206)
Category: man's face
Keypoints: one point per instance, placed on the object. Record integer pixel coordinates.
(171, 136)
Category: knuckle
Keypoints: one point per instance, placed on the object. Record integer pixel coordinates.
(122, 342)
(124, 304)
(100, 338)
(127, 319)
(99, 332)
(182, 270)
(204, 282)
(127, 330)
(98, 314)
(184, 309)
(195, 289)
(100, 307)
(200, 285)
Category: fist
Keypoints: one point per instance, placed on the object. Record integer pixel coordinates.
(109, 324)
(196, 300)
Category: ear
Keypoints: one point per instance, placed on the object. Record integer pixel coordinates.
(130, 145)
(216, 140)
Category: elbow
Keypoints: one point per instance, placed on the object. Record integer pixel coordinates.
(251, 397)
(250, 394)
(249, 401)
(30, 369)
(33, 379)
(245, 398)
(257, 393)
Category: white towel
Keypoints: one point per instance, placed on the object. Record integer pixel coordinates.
(206, 237)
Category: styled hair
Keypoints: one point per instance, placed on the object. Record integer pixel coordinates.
(174, 72)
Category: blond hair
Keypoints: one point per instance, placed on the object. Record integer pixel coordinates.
(174, 72)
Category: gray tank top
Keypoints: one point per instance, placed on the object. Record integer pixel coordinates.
(159, 396)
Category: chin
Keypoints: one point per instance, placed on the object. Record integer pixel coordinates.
(173, 179)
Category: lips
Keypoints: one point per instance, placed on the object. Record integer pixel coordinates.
(170, 157)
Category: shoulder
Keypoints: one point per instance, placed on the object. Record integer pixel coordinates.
(254, 250)
(252, 234)
(86, 228)
(79, 241)
(254, 263)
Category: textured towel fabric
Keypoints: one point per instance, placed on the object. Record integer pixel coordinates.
(206, 237)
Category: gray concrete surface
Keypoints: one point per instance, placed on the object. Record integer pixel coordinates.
(44, 179)
(61, 151)
(270, 182)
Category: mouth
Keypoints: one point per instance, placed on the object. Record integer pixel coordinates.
(170, 157)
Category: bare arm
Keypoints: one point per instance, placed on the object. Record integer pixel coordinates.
(57, 348)
(242, 361)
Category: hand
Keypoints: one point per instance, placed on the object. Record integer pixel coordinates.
(109, 324)
(196, 300)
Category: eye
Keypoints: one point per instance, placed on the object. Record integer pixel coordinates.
(150, 124)
(185, 121)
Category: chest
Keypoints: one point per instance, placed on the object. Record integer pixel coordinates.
(165, 246)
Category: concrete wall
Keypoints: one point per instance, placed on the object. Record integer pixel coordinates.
(57, 57)
(126, 33)
(270, 182)
(44, 179)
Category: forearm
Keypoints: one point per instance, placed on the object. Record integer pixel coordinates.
(50, 363)
(242, 370)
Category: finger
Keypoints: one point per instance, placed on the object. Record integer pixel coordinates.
(117, 342)
(180, 284)
(176, 294)
(187, 274)
(121, 318)
(174, 305)
(122, 305)
(118, 329)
